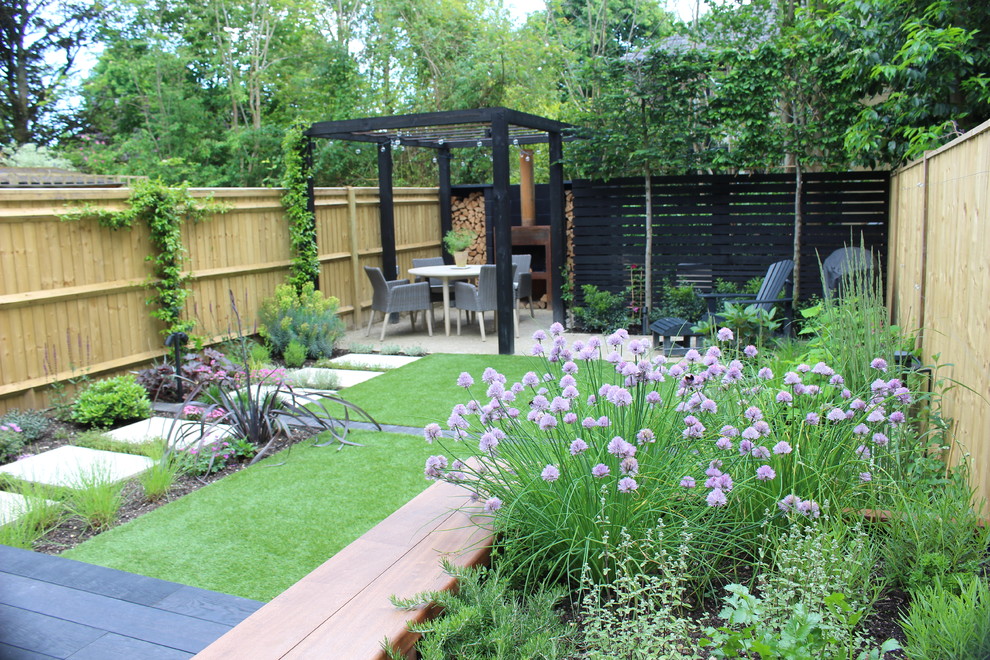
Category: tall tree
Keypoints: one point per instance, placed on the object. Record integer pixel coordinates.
(39, 43)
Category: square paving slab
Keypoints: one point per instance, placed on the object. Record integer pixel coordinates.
(71, 466)
(373, 360)
(180, 433)
(345, 377)
(14, 505)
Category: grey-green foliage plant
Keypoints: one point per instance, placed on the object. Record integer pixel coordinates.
(949, 620)
(485, 618)
(107, 402)
(601, 311)
(303, 315)
(32, 423)
(294, 354)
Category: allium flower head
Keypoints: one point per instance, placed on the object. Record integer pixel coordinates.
(812, 419)
(745, 447)
(627, 485)
(716, 498)
(465, 380)
(880, 440)
(765, 473)
(709, 406)
(896, 417)
(492, 504)
(729, 431)
(879, 364)
(765, 373)
(550, 473)
(724, 443)
(688, 482)
(431, 432)
(556, 329)
(653, 398)
(600, 471)
(619, 447)
(692, 356)
(435, 466)
(861, 429)
(791, 378)
(750, 351)
(865, 477)
(569, 418)
(760, 452)
(784, 397)
(645, 436)
(836, 415)
(753, 413)
(578, 446)
(539, 335)
(822, 369)
(629, 466)
(782, 447)
(809, 508)
(789, 503)
(547, 422)
(725, 334)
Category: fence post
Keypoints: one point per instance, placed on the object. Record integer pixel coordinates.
(352, 231)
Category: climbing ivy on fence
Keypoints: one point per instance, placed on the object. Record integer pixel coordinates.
(302, 228)
(162, 209)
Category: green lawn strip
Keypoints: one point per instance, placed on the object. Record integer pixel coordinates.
(258, 531)
(424, 391)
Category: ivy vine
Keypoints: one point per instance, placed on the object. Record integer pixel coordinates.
(162, 209)
(302, 227)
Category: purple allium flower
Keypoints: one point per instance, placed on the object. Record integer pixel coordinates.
(619, 396)
(765, 473)
(619, 447)
(709, 406)
(491, 376)
(791, 378)
(465, 380)
(653, 398)
(435, 466)
(782, 447)
(725, 334)
(495, 391)
(569, 392)
(765, 373)
(903, 395)
(729, 431)
(455, 421)
(822, 369)
(600, 471)
(878, 386)
(753, 413)
(802, 368)
(865, 477)
(540, 403)
(810, 390)
(857, 404)
(750, 433)
(559, 405)
(812, 419)
(836, 415)
(589, 422)
(645, 436)
(638, 347)
(879, 364)
(745, 447)
(691, 420)
(876, 415)
(845, 394)
(789, 503)
(431, 432)
(530, 379)
(692, 356)
(627, 485)
(863, 452)
(556, 329)
(716, 498)
(536, 350)
(488, 442)
(547, 422)
(750, 351)
(762, 428)
(629, 466)
(809, 508)
(569, 418)
(603, 422)
(896, 417)
(861, 429)
(688, 482)
(880, 440)
(714, 352)
(760, 452)
(492, 504)
(836, 380)
(724, 443)
(539, 335)
(732, 375)
(550, 473)
(578, 446)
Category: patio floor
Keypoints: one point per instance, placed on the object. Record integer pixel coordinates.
(52, 607)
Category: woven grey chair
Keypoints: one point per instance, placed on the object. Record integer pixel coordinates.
(398, 296)
(436, 284)
(523, 280)
(481, 298)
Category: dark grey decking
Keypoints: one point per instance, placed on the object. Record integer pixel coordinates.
(52, 607)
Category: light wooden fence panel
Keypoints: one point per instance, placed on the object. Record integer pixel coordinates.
(942, 284)
(72, 294)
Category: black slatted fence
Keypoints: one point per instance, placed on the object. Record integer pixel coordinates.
(727, 227)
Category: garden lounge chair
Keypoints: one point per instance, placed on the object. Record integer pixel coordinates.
(481, 298)
(523, 280)
(778, 276)
(398, 296)
(845, 264)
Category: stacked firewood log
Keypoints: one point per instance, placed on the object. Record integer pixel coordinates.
(469, 213)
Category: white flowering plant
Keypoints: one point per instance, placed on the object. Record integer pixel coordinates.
(714, 442)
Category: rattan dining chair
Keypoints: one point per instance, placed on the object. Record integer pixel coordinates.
(480, 299)
(393, 297)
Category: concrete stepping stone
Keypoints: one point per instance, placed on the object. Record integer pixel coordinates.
(345, 377)
(180, 433)
(371, 361)
(72, 466)
(15, 505)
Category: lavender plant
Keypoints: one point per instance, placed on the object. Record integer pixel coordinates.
(608, 438)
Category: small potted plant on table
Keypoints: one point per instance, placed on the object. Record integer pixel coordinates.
(457, 242)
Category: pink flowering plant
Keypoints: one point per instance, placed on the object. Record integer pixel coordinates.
(608, 437)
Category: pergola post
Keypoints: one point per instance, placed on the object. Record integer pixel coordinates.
(446, 213)
(502, 232)
(558, 243)
(386, 210)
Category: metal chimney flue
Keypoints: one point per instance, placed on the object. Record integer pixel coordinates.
(527, 189)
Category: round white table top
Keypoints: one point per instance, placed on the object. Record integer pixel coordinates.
(446, 271)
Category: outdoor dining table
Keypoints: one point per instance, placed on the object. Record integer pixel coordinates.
(446, 274)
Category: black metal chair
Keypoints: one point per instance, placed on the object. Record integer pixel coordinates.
(844, 264)
(393, 297)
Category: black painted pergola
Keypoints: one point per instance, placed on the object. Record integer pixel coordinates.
(496, 128)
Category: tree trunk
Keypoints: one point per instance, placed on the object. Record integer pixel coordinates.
(798, 222)
(648, 257)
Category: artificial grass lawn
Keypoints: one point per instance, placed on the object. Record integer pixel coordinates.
(424, 391)
(258, 531)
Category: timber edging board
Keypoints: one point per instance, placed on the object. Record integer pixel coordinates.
(342, 608)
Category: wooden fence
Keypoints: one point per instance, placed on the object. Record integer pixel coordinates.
(723, 226)
(938, 280)
(72, 294)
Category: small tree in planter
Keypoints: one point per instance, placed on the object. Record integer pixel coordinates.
(457, 242)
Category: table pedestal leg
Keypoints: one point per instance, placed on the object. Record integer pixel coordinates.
(446, 306)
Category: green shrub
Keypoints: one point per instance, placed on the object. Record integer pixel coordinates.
(32, 423)
(602, 311)
(949, 621)
(206, 459)
(679, 301)
(107, 402)
(11, 441)
(258, 356)
(306, 317)
(294, 355)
